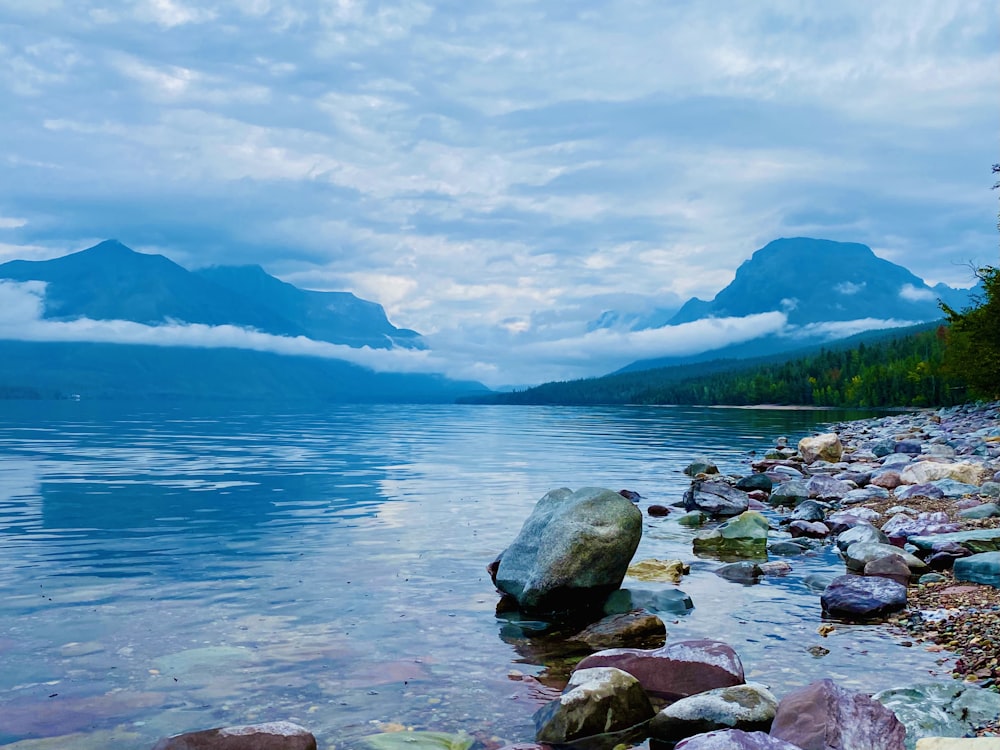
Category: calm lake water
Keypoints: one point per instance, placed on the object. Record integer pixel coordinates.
(176, 568)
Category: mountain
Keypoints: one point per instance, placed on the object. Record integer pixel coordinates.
(817, 281)
(112, 282)
(338, 317)
(812, 281)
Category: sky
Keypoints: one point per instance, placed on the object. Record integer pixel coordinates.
(499, 175)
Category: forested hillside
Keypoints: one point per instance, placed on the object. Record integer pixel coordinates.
(905, 370)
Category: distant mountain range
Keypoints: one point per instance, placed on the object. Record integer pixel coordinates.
(110, 282)
(813, 282)
(113, 282)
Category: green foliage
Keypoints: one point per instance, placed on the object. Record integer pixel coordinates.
(973, 351)
(906, 370)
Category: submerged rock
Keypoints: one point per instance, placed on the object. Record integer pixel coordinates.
(630, 629)
(277, 735)
(742, 536)
(940, 709)
(572, 551)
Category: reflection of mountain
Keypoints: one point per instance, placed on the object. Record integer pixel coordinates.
(201, 498)
(110, 282)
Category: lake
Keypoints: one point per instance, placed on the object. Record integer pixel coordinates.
(167, 568)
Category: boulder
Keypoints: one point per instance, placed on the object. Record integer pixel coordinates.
(927, 490)
(944, 554)
(888, 479)
(901, 526)
(785, 547)
(789, 493)
(977, 540)
(715, 497)
(892, 567)
(753, 482)
(822, 487)
(825, 716)
(740, 572)
(701, 466)
(734, 739)
(693, 518)
(954, 490)
(658, 510)
(814, 530)
(678, 669)
(276, 735)
(980, 568)
(572, 551)
(862, 598)
(596, 701)
(636, 629)
(940, 709)
(983, 510)
(843, 520)
(808, 510)
(966, 472)
(859, 554)
(742, 536)
(825, 447)
(749, 707)
(862, 532)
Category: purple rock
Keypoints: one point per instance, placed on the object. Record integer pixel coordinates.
(278, 735)
(676, 670)
(862, 598)
(824, 716)
(734, 739)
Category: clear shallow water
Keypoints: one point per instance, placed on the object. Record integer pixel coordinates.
(171, 569)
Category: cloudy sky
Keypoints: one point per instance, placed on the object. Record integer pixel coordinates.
(498, 175)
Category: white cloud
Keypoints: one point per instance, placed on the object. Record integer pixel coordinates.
(915, 294)
(850, 288)
(10, 222)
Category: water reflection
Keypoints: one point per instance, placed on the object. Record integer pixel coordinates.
(165, 570)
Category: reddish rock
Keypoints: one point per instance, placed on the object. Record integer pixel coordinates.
(276, 735)
(658, 510)
(676, 670)
(630, 495)
(888, 480)
(890, 566)
(824, 716)
(810, 529)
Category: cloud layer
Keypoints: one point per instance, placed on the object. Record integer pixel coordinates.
(497, 175)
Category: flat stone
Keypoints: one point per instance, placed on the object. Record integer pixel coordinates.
(980, 568)
(977, 540)
(277, 735)
(629, 629)
(749, 707)
(678, 669)
(940, 709)
(986, 510)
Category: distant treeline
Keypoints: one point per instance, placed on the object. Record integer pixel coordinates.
(908, 370)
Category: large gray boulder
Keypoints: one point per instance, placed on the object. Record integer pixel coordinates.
(276, 735)
(716, 497)
(825, 716)
(596, 701)
(572, 551)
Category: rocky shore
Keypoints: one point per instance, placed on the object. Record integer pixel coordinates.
(911, 502)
